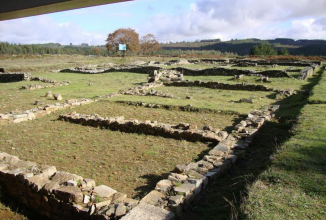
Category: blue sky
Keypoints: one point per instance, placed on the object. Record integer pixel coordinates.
(173, 20)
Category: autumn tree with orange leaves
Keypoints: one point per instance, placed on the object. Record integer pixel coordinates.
(148, 44)
(126, 36)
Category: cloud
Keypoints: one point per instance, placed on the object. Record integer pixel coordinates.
(43, 29)
(239, 19)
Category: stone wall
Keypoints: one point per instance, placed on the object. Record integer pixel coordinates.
(187, 108)
(182, 131)
(54, 83)
(306, 72)
(217, 85)
(61, 195)
(13, 77)
(17, 117)
(133, 69)
(229, 72)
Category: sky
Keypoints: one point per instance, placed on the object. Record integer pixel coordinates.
(174, 20)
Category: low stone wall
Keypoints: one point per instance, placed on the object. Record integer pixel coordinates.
(229, 72)
(187, 108)
(41, 79)
(133, 69)
(13, 77)
(182, 131)
(31, 114)
(217, 85)
(61, 195)
(306, 72)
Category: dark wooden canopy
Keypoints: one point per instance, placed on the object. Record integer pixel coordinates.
(11, 9)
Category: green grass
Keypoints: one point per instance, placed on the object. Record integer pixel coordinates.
(319, 91)
(12, 98)
(222, 100)
(294, 187)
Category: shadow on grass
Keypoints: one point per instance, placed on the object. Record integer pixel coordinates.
(151, 180)
(224, 198)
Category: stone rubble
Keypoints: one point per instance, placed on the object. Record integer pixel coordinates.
(54, 83)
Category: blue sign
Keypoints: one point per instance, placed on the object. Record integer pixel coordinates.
(122, 47)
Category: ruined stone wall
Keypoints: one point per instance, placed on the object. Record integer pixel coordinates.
(182, 131)
(306, 72)
(13, 77)
(229, 72)
(31, 114)
(217, 85)
(187, 108)
(61, 195)
(133, 69)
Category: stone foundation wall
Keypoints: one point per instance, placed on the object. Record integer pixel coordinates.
(229, 72)
(54, 83)
(61, 195)
(13, 77)
(31, 114)
(182, 131)
(187, 108)
(217, 85)
(306, 72)
(133, 69)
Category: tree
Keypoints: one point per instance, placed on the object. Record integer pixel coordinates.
(283, 51)
(126, 36)
(148, 44)
(263, 49)
(97, 51)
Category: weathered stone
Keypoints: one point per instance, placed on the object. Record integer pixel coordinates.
(118, 198)
(130, 203)
(71, 183)
(49, 94)
(58, 97)
(176, 200)
(69, 194)
(120, 210)
(37, 182)
(154, 198)
(86, 199)
(104, 191)
(184, 189)
(102, 204)
(145, 211)
(163, 186)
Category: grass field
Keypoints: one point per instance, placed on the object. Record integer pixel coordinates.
(134, 163)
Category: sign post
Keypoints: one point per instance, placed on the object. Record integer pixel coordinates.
(123, 47)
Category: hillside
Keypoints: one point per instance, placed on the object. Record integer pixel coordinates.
(242, 47)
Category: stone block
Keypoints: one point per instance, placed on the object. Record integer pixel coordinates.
(69, 194)
(145, 211)
(185, 188)
(104, 191)
(163, 186)
(36, 183)
(154, 198)
(118, 198)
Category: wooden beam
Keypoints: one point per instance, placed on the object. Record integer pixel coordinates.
(50, 8)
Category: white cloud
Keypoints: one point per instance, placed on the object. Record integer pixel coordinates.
(240, 19)
(43, 29)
